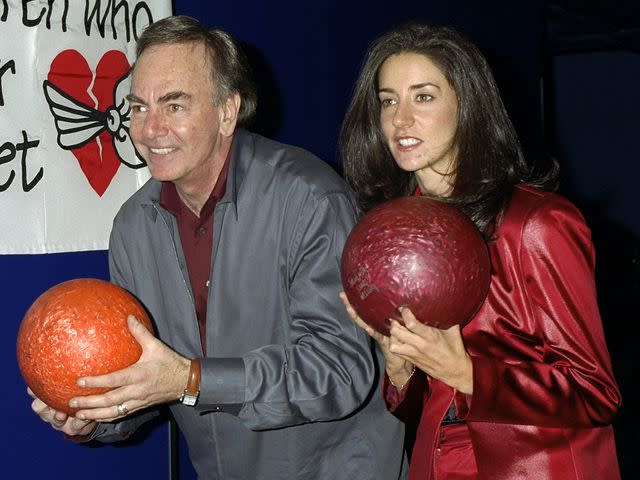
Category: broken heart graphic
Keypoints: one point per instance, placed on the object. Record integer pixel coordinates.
(72, 76)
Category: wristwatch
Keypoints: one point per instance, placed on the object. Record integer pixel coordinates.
(192, 392)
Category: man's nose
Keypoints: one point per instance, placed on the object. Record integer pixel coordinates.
(155, 124)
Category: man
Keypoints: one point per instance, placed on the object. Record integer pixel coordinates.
(234, 248)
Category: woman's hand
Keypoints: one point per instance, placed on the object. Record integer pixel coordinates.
(439, 353)
(398, 369)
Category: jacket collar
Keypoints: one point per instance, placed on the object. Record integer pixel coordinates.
(242, 154)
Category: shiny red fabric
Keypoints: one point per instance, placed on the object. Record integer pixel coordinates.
(453, 458)
(544, 393)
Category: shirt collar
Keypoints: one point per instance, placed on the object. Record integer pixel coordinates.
(171, 201)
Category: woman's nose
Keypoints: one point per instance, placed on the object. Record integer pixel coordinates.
(403, 116)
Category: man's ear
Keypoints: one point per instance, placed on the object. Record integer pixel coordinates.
(229, 114)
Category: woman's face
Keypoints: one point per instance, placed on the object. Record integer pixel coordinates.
(418, 116)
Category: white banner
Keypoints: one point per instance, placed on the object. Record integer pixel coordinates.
(66, 160)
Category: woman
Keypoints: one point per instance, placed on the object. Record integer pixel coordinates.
(526, 389)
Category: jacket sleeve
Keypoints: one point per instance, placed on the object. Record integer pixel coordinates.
(325, 368)
(559, 373)
(406, 404)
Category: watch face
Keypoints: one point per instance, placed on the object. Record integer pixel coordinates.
(189, 399)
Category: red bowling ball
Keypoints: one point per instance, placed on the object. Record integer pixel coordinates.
(419, 253)
(76, 328)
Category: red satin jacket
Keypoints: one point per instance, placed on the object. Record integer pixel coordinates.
(544, 394)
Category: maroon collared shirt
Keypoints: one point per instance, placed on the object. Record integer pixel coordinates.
(196, 237)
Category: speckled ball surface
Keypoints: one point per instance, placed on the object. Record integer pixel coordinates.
(76, 328)
(419, 253)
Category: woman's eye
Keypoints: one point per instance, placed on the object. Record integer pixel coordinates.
(424, 97)
(387, 102)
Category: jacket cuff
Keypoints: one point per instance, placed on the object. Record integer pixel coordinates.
(486, 385)
(83, 438)
(222, 385)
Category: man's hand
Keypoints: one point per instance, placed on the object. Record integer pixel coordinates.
(159, 376)
(72, 426)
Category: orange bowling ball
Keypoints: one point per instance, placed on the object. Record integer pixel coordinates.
(77, 328)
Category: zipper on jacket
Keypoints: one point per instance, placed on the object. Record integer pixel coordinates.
(184, 280)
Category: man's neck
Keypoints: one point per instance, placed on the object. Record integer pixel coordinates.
(196, 194)
(193, 205)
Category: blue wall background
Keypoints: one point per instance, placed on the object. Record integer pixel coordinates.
(596, 129)
(29, 448)
(306, 58)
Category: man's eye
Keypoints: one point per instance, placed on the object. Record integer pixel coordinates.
(175, 108)
(138, 108)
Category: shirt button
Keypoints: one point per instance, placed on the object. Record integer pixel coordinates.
(201, 231)
(207, 283)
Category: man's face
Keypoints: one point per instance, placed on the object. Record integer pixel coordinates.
(174, 123)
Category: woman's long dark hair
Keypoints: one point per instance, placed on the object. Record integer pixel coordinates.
(489, 160)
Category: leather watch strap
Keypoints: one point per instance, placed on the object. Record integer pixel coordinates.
(192, 391)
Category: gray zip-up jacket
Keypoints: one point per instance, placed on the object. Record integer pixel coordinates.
(290, 388)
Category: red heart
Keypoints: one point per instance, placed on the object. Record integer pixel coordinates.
(70, 72)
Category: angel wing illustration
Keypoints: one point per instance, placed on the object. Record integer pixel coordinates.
(77, 123)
